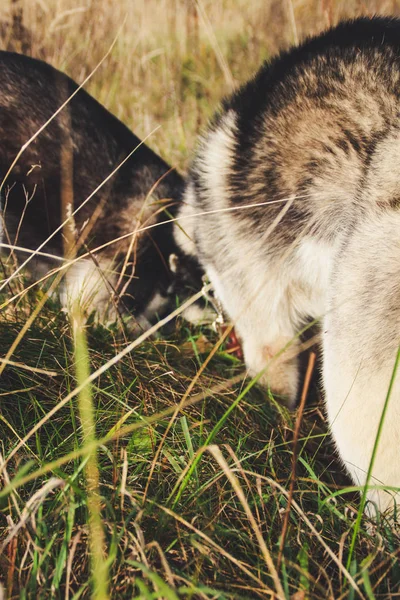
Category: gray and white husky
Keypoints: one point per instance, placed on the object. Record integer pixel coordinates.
(293, 208)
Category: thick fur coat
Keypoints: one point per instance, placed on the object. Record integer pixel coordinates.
(296, 189)
(55, 175)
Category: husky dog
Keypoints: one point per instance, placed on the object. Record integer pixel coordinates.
(56, 174)
(292, 209)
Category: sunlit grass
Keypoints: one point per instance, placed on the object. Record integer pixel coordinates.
(92, 476)
(189, 464)
(203, 539)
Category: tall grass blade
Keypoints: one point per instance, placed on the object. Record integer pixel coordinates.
(86, 412)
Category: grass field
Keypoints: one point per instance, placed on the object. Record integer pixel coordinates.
(171, 476)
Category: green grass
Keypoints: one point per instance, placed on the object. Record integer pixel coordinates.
(176, 519)
(192, 463)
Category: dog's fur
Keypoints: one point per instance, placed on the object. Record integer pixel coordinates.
(73, 155)
(299, 172)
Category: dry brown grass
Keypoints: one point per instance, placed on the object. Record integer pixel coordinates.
(174, 59)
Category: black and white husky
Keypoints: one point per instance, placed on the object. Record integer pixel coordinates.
(54, 180)
(297, 186)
